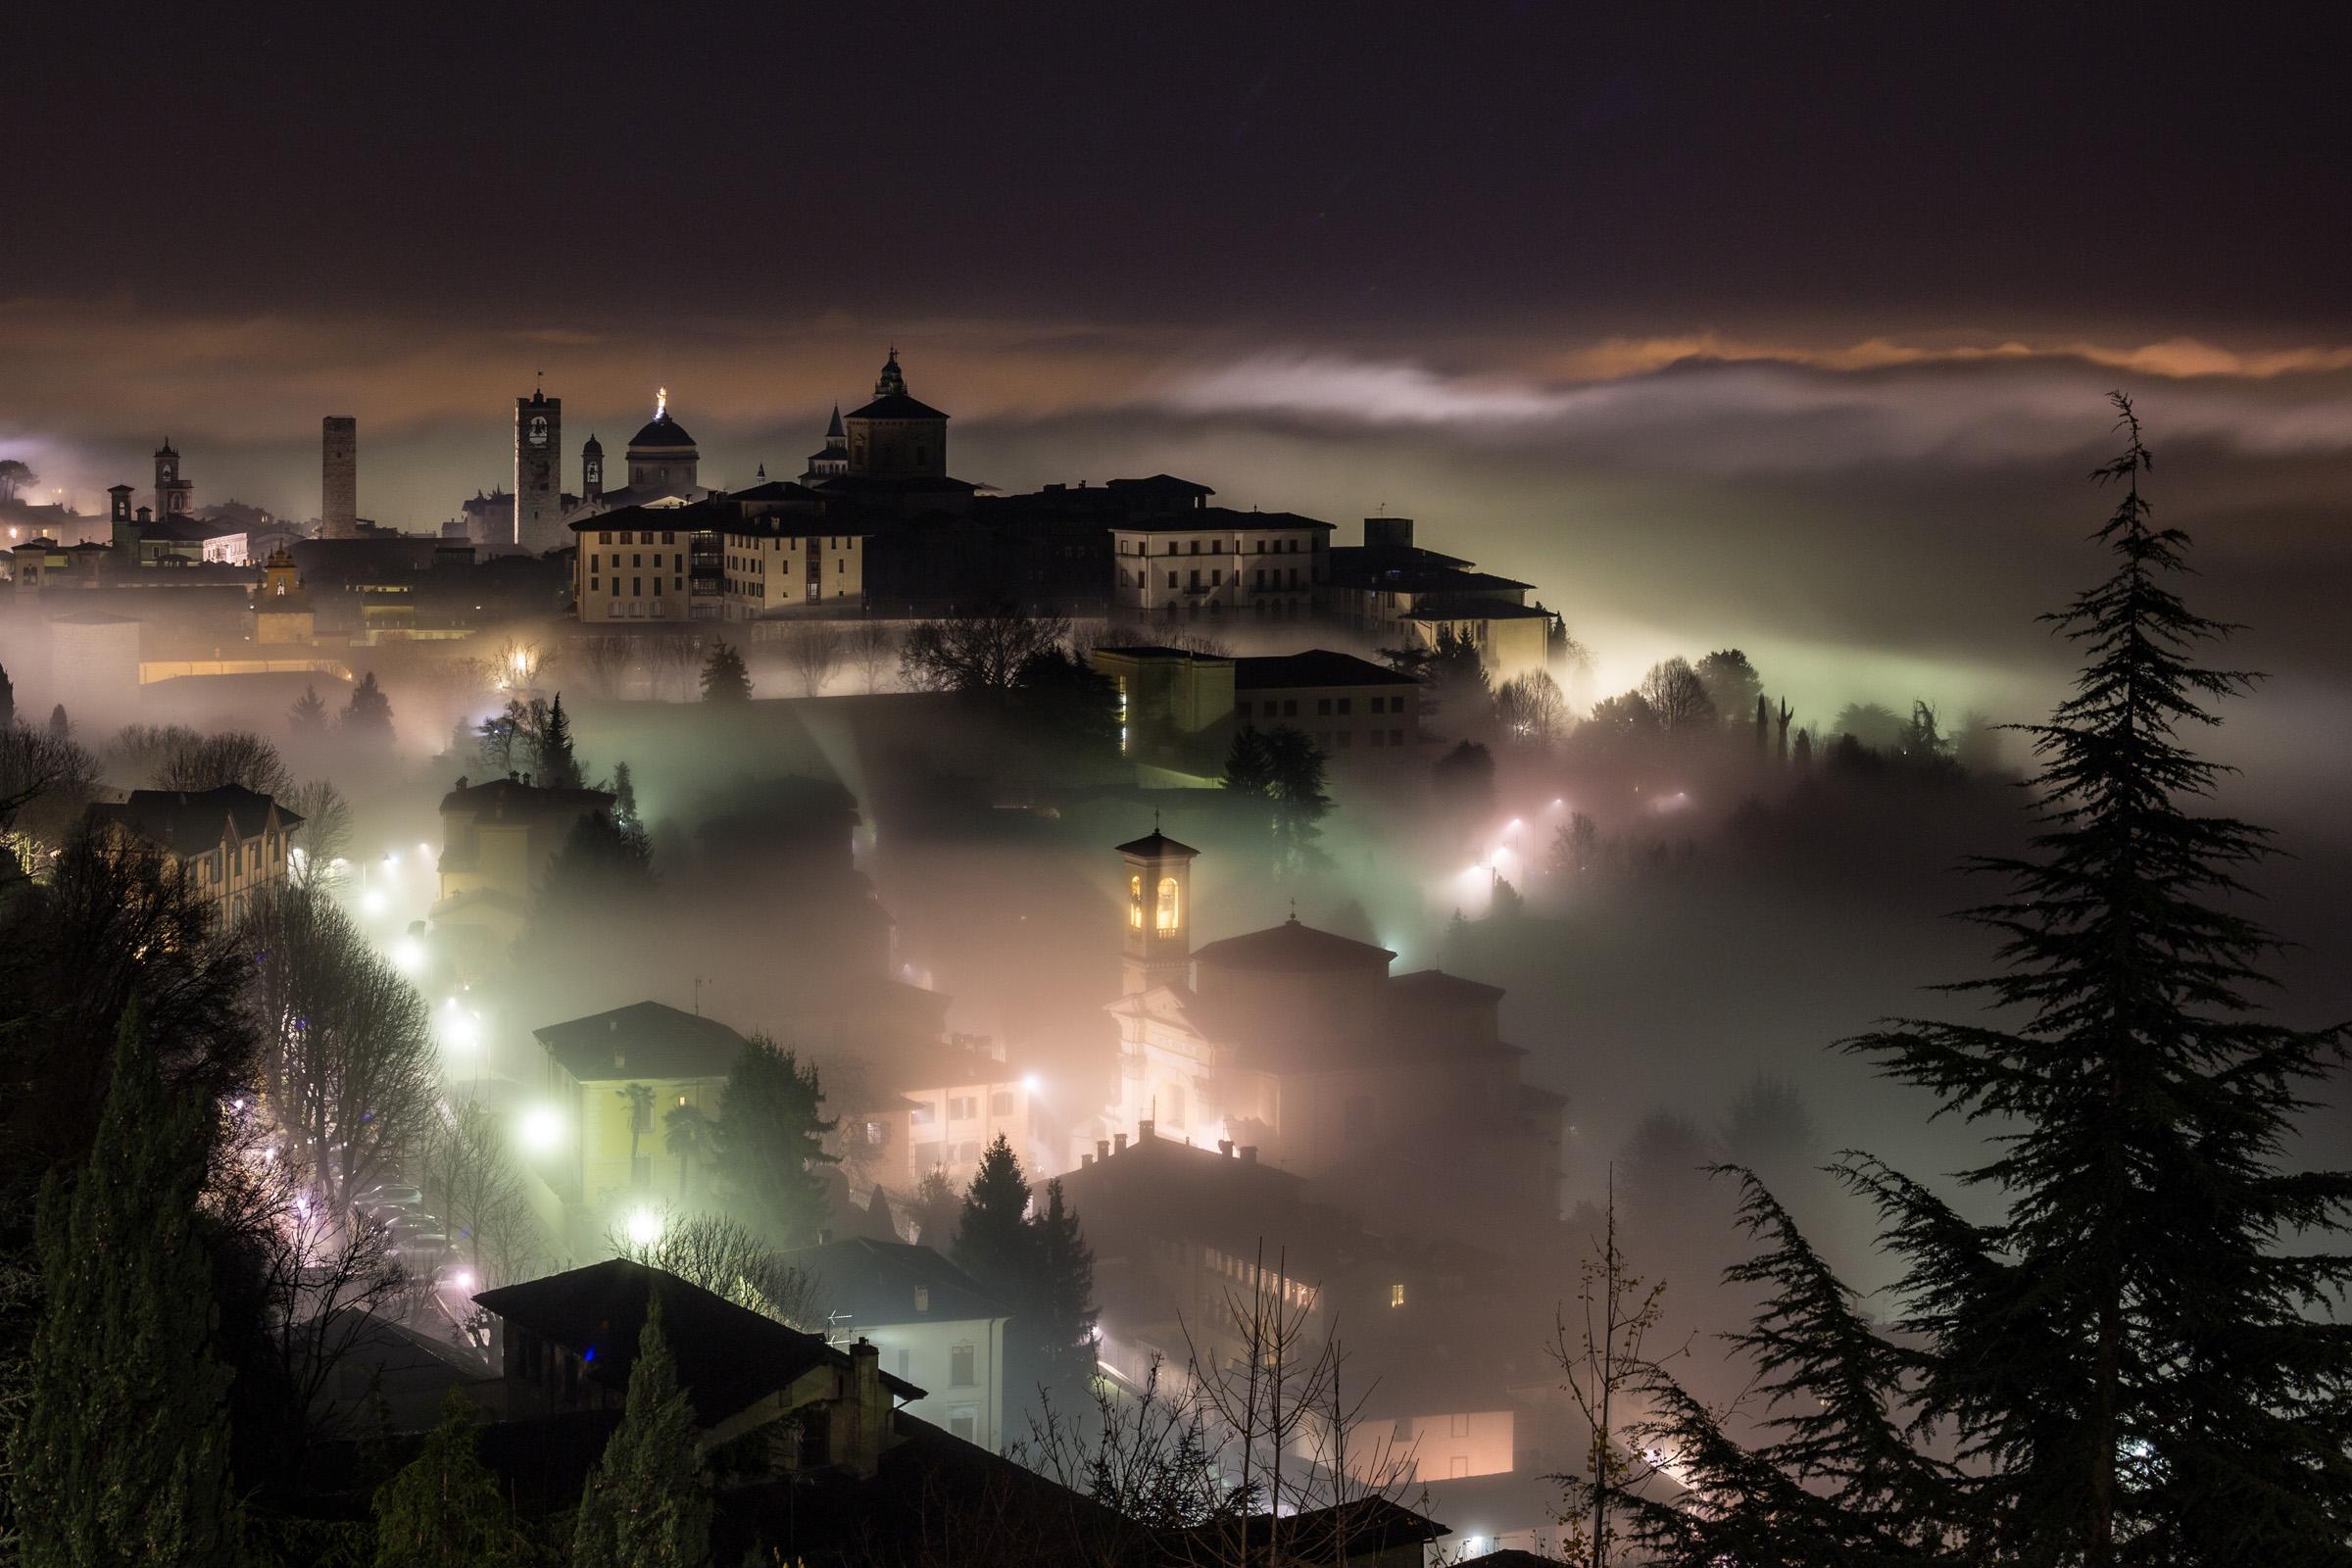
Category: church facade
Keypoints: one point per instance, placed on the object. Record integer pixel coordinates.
(1299, 1044)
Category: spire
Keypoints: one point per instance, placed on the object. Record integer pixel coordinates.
(834, 430)
(892, 382)
(762, 473)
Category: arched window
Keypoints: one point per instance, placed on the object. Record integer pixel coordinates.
(1169, 914)
(1135, 902)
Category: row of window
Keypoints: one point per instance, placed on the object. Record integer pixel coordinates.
(596, 562)
(629, 536)
(962, 1107)
(1219, 547)
(1216, 579)
(211, 865)
(1325, 707)
(596, 585)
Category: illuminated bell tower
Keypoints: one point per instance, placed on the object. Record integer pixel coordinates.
(1156, 904)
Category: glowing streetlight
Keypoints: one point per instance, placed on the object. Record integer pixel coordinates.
(644, 1228)
(1032, 1083)
(407, 957)
(542, 1129)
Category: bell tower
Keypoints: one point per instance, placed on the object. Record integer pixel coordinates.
(1156, 897)
(539, 473)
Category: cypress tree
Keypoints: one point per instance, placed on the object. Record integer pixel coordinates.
(442, 1509)
(2132, 1360)
(122, 1455)
(554, 766)
(648, 1505)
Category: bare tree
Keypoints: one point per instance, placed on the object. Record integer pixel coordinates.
(873, 649)
(674, 660)
(1531, 710)
(977, 653)
(1605, 1360)
(604, 660)
(232, 757)
(1677, 697)
(46, 784)
(325, 832)
(348, 1064)
(465, 1168)
(1279, 1416)
(815, 650)
(725, 1259)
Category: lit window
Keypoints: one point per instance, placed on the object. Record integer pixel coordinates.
(1135, 902)
(923, 1297)
(1396, 1294)
(1170, 915)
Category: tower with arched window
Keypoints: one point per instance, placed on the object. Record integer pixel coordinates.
(1156, 948)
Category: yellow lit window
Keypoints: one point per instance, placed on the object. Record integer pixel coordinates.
(1170, 916)
(1397, 1295)
(1135, 902)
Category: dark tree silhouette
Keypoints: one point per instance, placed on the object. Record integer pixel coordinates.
(771, 1131)
(724, 679)
(2131, 1359)
(369, 715)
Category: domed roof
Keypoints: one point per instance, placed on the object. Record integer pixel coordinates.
(595, 446)
(660, 431)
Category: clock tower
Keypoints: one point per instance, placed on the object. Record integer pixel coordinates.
(539, 473)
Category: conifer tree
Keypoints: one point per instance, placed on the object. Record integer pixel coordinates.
(992, 1241)
(648, 1503)
(61, 728)
(308, 716)
(121, 1454)
(8, 701)
(724, 679)
(2134, 1357)
(369, 714)
(1066, 1311)
(554, 766)
(443, 1509)
(771, 1131)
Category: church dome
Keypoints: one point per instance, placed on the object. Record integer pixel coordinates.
(660, 432)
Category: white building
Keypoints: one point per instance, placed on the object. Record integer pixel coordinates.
(1216, 564)
(936, 1328)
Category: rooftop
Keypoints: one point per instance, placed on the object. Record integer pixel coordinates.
(1316, 667)
(1155, 846)
(874, 1282)
(1293, 948)
(661, 433)
(1222, 519)
(727, 1356)
(504, 797)
(193, 821)
(643, 1039)
(896, 405)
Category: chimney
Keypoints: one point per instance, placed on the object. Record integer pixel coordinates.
(1249, 1154)
(1102, 1147)
(1225, 1147)
(1086, 1159)
(1118, 1142)
(1143, 1131)
(872, 1420)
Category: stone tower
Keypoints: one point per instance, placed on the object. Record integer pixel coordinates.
(592, 471)
(1156, 946)
(174, 497)
(895, 436)
(338, 477)
(539, 474)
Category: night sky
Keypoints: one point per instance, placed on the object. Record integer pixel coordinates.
(1724, 326)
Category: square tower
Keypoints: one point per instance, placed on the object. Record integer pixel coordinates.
(1156, 946)
(539, 474)
(338, 477)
